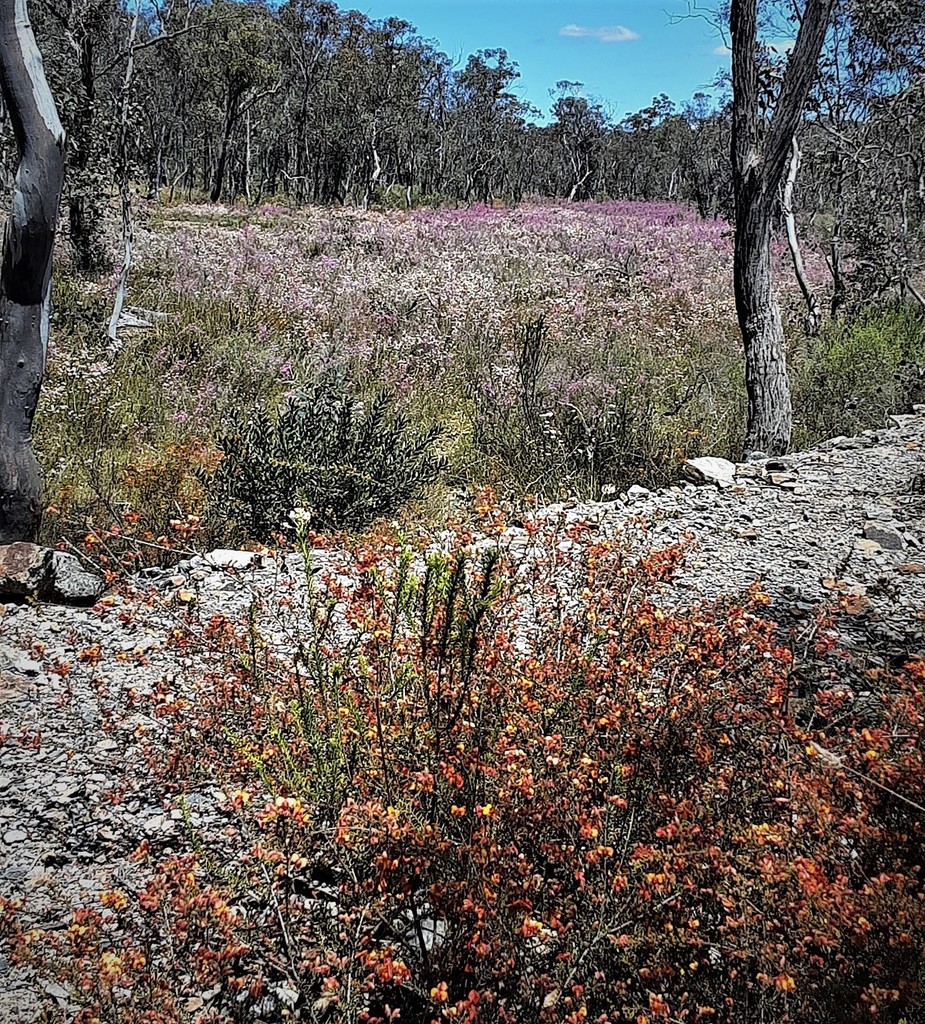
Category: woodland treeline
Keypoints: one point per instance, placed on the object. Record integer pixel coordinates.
(228, 100)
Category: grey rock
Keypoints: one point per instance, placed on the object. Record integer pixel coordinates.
(227, 558)
(888, 537)
(27, 570)
(18, 664)
(24, 570)
(14, 835)
(71, 583)
(56, 991)
(711, 470)
(902, 419)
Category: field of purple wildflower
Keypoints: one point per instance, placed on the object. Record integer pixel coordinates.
(563, 348)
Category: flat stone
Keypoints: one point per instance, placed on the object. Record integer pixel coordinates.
(897, 419)
(56, 991)
(14, 835)
(18, 664)
(15, 688)
(888, 537)
(228, 558)
(710, 470)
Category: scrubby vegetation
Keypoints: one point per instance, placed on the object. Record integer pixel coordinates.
(464, 761)
(323, 458)
(502, 789)
(560, 350)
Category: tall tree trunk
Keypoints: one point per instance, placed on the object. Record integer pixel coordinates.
(770, 413)
(247, 161)
(760, 153)
(85, 212)
(25, 274)
(218, 180)
(232, 113)
(125, 190)
(834, 255)
(159, 167)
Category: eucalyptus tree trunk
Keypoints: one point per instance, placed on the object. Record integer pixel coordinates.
(760, 154)
(25, 274)
(84, 209)
(125, 190)
(770, 414)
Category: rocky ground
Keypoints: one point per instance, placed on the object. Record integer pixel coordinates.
(846, 518)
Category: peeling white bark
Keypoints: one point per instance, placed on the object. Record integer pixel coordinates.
(813, 315)
(25, 275)
(35, 68)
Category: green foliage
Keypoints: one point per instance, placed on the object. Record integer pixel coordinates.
(858, 372)
(345, 461)
(535, 397)
(546, 427)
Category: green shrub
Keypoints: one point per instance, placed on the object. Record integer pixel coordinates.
(858, 372)
(346, 462)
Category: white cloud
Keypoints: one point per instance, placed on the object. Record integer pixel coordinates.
(722, 51)
(614, 34)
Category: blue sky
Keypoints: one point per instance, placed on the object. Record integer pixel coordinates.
(624, 51)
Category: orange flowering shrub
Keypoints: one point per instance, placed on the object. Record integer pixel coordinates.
(497, 790)
(156, 520)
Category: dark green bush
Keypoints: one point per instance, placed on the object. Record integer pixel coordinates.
(346, 462)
